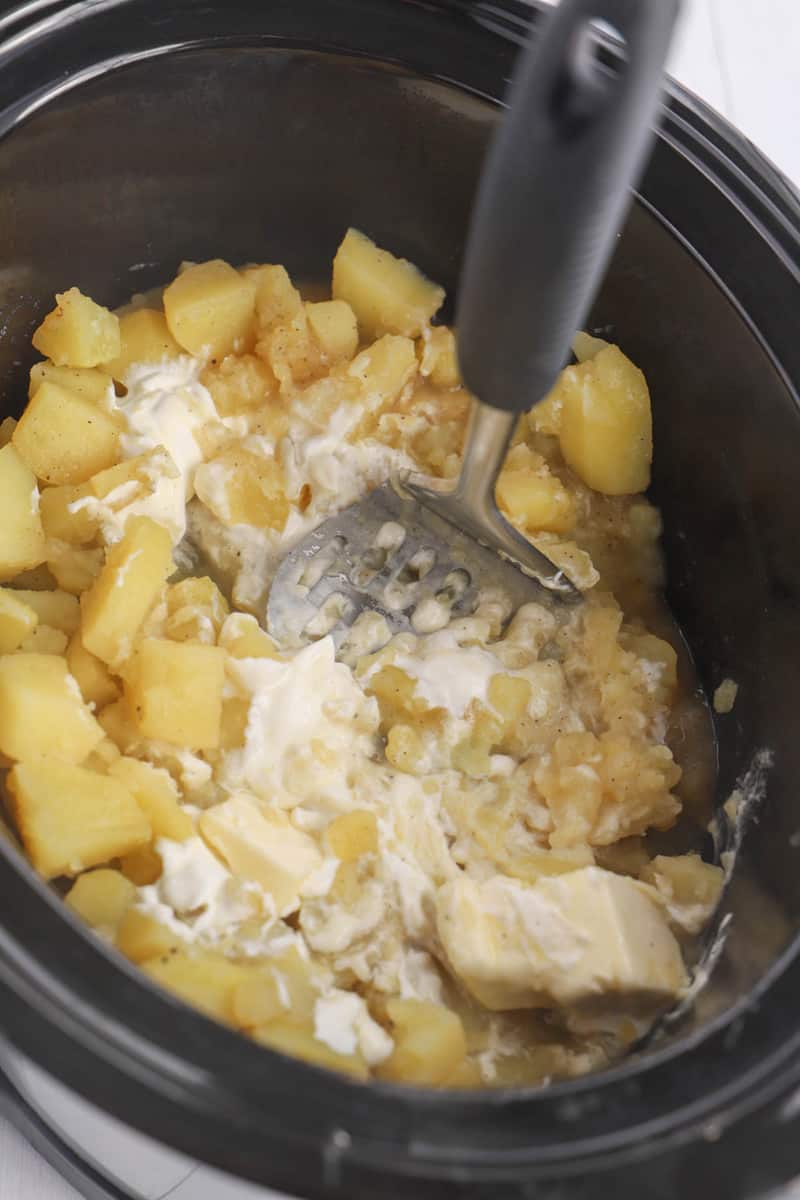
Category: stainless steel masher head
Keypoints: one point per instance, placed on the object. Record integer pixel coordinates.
(552, 196)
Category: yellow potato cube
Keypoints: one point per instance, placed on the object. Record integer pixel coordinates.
(65, 438)
(117, 723)
(298, 1041)
(535, 501)
(239, 384)
(101, 897)
(93, 677)
(204, 980)
(78, 332)
(404, 748)
(690, 887)
(210, 309)
(75, 568)
(126, 589)
(240, 487)
(104, 754)
(353, 834)
(291, 351)
(283, 985)
(277, 299)
(60, 522)
(44, 640)
(438, 359)
(144, 338)
(383, 370)
(140, 937)
(196, 610)
(88, 382)
(584, 346)
(243, 637)
(7, 427)
(58, 609)
(429, 1043)
(70, 818)
(606, 425)
(18, 620)
(333, 324)
(22, 540)
(142, 867)
(42, 712)
(157, 795)
(175, 692)
(387, 294)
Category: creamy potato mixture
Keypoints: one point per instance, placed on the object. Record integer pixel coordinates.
(434, 858)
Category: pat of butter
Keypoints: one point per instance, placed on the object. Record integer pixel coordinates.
(564, 940)
(262, 845)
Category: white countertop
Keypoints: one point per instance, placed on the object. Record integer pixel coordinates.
(742, 57)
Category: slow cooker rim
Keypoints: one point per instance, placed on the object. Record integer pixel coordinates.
(774, 205)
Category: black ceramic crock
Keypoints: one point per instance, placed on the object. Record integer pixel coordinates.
(137, 133)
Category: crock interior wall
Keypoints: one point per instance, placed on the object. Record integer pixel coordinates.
(269, 155)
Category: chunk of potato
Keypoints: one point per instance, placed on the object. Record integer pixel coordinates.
(144, 338)
(277, 299)
(141, 937)
(18, 620)
(175, 692)
(196, 610)
(240, 487)
(429, 1043)
(535, 500)
(118, 725)
(210, 309)
(75, 568)
(101, 897)
(22, 540)
(78, 332)
(383, 370)
(7, 427)
(606, 426)
(353, 834)
(157, 795)
(205, 980)
(88, 382)
(438, 359)
(283, 985)
(387, 294)
(333, 324)
(65, 438)
(64, 518)
(126, 589)
(101, 758)
(42, 712)
(44, 640)
(690, 887)
(142, 867)
(56, 608)
(242, 636)
(239, 384)
(93, 677)
(298, 1041)
(70, 818)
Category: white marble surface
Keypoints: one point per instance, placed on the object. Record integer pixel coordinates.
(742, 57)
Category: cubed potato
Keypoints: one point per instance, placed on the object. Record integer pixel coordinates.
(606, 425)
(101, 897)
(144, 338)
(93, 677)
(277, 299)
(239, 384)
(387, 294)
(196, 610)
(175, 692)
(690, 887)
(284, 984)
(142, 867)
(240, 487)
(75, 568)
(18, 620)
(204, 980)
(242, 636)
(298, 1041)
(383, 370)
(58, 609)
(233, 724)
(291, 351)
(64, 517)
(22, 540)
(535, 501)
(210, 310)
(333, 324)
(438, 360)
(353, 834)
(157, 795)
(405, 749)
(141, 937)
(42, 711)
(429, 1043)
(78, 332)
(117, 723)
(44, 640)
(94, 385)
(126, 589)
(585, 346)
(7, 427)
(65, 438)
(104, 754)
(70, 818)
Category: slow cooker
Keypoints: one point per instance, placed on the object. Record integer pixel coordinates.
(137, 133)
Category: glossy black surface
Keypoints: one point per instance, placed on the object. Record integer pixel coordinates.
(297, 121)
